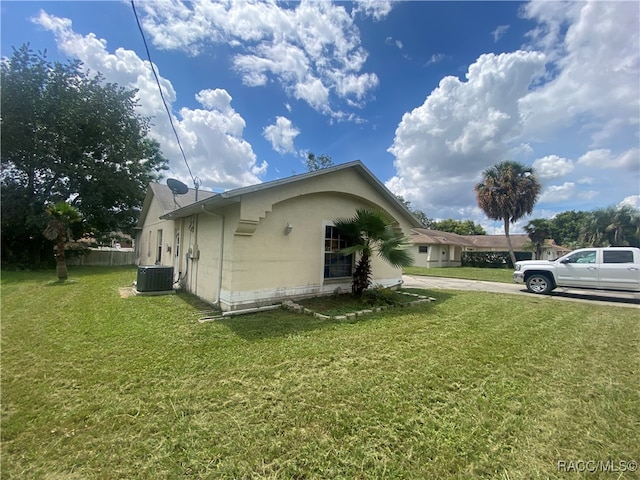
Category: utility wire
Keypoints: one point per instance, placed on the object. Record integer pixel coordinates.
(144, 40)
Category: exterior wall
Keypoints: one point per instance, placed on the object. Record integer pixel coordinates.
(437, 256)
(239, 256)
(203, 248)
(271, 265)
(147, 244)
(551, 254)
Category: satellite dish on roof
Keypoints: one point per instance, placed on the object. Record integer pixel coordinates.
(177, 187)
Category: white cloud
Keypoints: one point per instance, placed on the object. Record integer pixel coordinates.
(574, 88)
(604, 158)
(558, 193)
(564, 192)
(436, 58)
(596, 67)
(461, 129)
(378, 9)
(281, 135)
(312, 48)
(631, 201)
(211, 136)
(553, 166)
(499, 32)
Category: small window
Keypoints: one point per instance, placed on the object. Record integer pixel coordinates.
(423, 249)
(159, 255)
(336, 265)
(618, 256)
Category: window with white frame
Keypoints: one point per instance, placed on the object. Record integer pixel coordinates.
(336, 264)
(423, 249)
(159, 249)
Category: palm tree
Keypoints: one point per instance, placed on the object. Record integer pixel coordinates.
(508, 192)
(372, 231)
(616, 226)
(62, 218)
(538, 230)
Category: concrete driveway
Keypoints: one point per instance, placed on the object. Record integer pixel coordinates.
(623, 299)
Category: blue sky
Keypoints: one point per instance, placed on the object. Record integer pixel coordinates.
(426, 94)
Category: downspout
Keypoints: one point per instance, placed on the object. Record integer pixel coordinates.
(220, 253)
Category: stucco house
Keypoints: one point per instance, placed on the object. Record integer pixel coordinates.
(433, 248)
(258, 245)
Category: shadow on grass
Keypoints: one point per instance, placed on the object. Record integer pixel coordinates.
(273, 324)
(283, 323)
(601, 297)
(194, 301)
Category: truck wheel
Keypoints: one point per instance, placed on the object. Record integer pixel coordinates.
(539, 283)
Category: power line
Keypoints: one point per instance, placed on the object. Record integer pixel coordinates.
(144, 40)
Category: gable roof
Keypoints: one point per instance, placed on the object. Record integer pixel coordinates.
(437, 237)
(233, 196)
(518, 241)
(168, 201)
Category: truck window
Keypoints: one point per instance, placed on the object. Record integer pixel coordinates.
(588, 256)
(618, 256)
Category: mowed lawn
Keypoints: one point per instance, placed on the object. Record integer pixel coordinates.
(475, 385)
(502, 275)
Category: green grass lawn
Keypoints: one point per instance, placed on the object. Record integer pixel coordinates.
(475, 385)
(501, 275)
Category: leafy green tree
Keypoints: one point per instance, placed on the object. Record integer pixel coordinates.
(461, 227)
(63, 220)
(68, 135)
(318, 163)
(566, 227)
(508, 192)
(371, 231)
(538, 230)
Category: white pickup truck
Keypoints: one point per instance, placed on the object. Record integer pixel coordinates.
(611, 268)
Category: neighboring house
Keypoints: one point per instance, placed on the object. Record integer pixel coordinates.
(258, 245)
(551, 251)
(433, 248)
(520, 242)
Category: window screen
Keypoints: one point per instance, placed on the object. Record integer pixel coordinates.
(336, 265)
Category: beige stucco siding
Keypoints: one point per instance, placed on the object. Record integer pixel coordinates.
(437, 256)
(148, 240)
(270, 264)
(241, 255)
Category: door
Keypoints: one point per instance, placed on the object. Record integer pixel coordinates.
(580, 269)
(619, 271)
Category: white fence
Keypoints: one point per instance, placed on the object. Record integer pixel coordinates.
(105, 258)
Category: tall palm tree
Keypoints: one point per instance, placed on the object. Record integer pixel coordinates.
(508, 192)
(371, 231)
(62, 218)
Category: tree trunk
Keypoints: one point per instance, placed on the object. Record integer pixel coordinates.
(506, 234)
(362, 275)
(61, 261)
